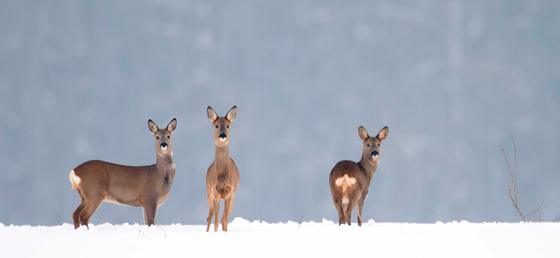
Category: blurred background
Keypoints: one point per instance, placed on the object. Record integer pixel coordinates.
(452, 79)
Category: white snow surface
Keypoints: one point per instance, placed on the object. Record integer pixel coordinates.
(291, 239)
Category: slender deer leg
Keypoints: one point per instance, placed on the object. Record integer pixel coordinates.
(349, 214)
(210, 213)
(360, 215)
(216, 214)
(360, 208)
(90, 207)
(231, 205)
(76, 215)
(340, 212)
(346, 211)
(227, 209)
(150, 213)
(338, 206)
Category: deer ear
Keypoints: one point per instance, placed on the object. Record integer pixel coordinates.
(232, 113)
(152, 126)
(383, 133)
(363, 133)
(212, 116)
(172, 125)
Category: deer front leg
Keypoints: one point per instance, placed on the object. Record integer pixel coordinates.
(360, 208)
(216, 214)
(150, 213)
(210, 213)
(227, 211)
(360, 215)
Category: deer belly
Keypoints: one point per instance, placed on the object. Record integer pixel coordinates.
(130, 202)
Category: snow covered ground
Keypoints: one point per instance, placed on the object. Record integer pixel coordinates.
(311, 239)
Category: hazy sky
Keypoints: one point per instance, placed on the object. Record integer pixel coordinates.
(451, 79)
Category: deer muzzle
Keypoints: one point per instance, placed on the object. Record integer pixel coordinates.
(163, 146)
(375, 154)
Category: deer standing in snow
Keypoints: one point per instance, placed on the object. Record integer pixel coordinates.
(222, 177)
(144, 186)
(349, 181)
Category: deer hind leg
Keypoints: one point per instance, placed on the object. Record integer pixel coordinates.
(227, 210)
(76, 215)
(78, 211)
(90, 206)
(349, 215)
(338, 206)
(216, 213)
(348, 204)
(341, 218)
(346, 210)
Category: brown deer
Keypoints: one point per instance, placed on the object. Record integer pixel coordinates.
(145, 186)
(222, 177)
(349, 181)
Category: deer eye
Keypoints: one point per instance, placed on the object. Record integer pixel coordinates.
(216, 126)
(368, 145)
(168, 137)
(378, 145)
(227, 126)
(157, 137)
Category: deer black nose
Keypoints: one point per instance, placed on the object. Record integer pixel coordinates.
(163, 145)
(223, 135)
(374, 153)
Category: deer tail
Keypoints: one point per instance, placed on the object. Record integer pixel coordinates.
(74, 179)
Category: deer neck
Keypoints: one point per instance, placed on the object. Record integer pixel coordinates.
(222, 156)
(369, 166)
(164, 162)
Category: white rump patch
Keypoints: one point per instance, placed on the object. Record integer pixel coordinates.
(74, 179)
(345, 182)
(345, 200)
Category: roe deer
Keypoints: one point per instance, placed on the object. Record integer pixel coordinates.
(349, 181)
(145, 186)
(222, 177)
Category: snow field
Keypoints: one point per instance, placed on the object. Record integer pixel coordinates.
(291, 239)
